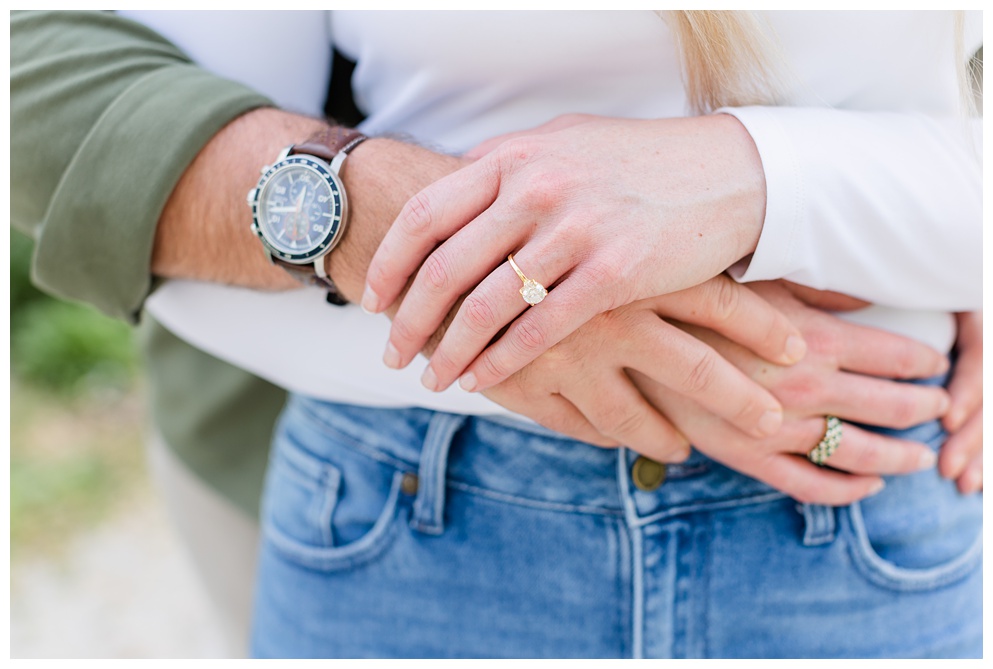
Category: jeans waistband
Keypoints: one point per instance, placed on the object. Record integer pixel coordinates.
(521, 463)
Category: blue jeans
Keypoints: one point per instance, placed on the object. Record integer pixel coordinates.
(413, 533)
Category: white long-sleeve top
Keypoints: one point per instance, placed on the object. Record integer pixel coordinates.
(873, 174)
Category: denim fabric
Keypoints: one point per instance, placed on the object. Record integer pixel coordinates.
(518, 542)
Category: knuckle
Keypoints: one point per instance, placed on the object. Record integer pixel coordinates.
(868, 455)
(517, 152)
(903, 360)
(750, 410)
(601, 272)
(904, 410)
(379, 275)
(402, 331)
(416, 217)
(726, 300)
(701, 375)
(437, 271)
(529, 337)
(491, 369)
(443, 364)
(622, 422)
(544, 192)
(478, 315)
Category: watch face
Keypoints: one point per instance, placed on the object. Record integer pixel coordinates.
(299, 209)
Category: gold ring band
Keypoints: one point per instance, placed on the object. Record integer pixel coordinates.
(829, 443)
(532, 291)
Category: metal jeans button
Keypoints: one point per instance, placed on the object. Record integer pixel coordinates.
(647, 474)
(409, 483)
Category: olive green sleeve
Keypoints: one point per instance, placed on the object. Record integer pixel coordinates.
(105, 117)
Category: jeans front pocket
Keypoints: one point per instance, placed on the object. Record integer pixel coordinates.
(919, 533)
(328, 506)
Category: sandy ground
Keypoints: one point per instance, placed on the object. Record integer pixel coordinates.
(123, 590)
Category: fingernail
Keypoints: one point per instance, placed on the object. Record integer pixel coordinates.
(770, 422)
(391, 357)
(429, 380)
(877, 487)
(467, 382)
(927, 460)
(796, 348)
(370, 301)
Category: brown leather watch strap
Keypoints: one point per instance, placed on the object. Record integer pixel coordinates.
(329, 142)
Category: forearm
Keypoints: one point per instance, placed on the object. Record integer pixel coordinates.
(883, 206)
(105, 117)
(204, 232)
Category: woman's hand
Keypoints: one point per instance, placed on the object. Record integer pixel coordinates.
(604, 213)
(962, 455)
(587, 387)
(843, 374)
(581, 387)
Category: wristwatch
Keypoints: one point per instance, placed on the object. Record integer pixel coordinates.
(299, 207)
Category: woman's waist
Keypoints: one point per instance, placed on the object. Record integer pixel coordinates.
(335, 354)
(527, 464)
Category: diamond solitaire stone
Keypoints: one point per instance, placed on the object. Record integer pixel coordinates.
(533, 292)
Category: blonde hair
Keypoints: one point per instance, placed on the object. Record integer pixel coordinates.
(730, 59)
(727, 59)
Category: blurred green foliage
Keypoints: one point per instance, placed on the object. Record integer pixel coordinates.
(76, 412)
(59, 345)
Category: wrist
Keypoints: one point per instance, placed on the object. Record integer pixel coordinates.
(741, 169)
(379, 176)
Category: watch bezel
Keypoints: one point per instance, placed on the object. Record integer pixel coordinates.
(338, 206)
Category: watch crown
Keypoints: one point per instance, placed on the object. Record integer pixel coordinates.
(251, 196)
(265, 168)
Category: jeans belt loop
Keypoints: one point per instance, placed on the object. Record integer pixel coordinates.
(429, 506)
(820, 524)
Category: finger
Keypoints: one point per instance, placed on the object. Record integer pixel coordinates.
(863, 452)
(432, 215)
(616, 409)
(880, 402)
(971, 480)
(570, 304)
(874, 352)
(824, 299)
(806, 482)
(683, 363)
(739, 314)
(962, 448)
(496, 301)
(966, 392)
(554, 412)
(966, 386)
(451, 270)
